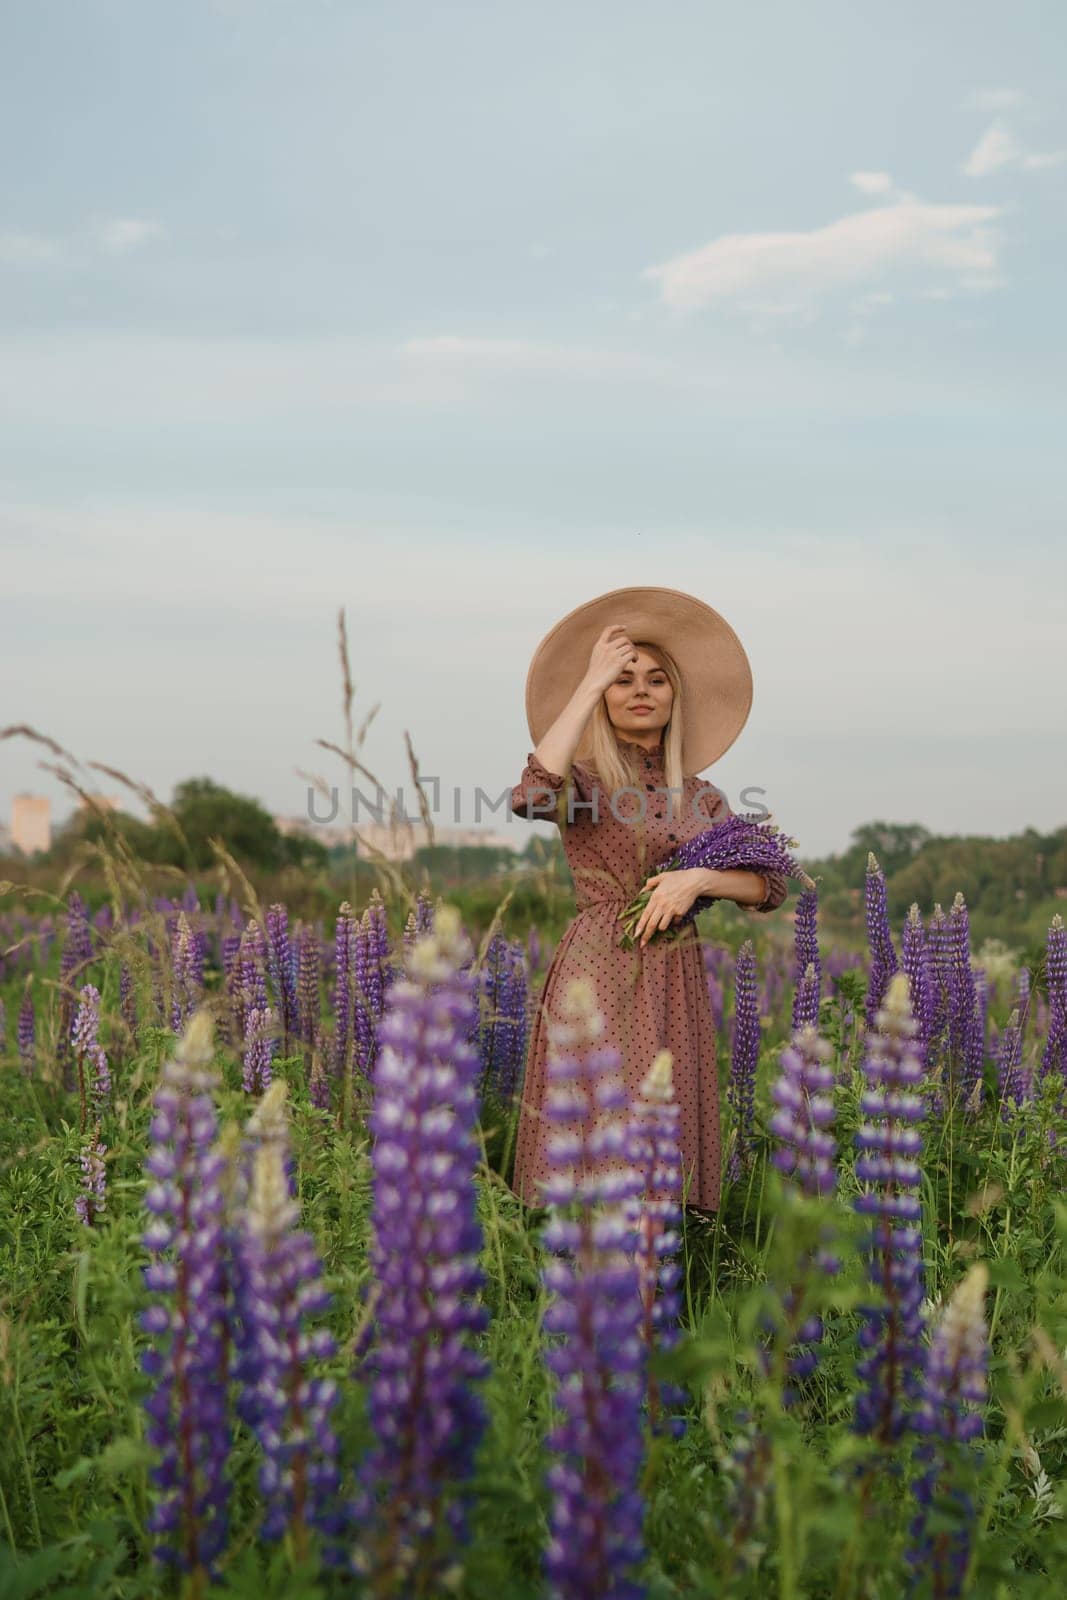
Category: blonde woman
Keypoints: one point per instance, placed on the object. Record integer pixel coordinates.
(628, 698)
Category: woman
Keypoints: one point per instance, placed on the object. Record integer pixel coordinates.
(648, 704)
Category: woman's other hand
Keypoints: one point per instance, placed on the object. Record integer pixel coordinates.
(672, 895)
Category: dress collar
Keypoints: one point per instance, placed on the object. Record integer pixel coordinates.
(652, 752)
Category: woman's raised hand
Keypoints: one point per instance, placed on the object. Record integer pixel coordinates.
(613, 651)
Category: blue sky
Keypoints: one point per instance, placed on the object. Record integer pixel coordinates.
(457, 316)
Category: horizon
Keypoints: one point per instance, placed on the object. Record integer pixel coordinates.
(519, 828)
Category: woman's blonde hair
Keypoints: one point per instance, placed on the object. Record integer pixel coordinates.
(615, 766)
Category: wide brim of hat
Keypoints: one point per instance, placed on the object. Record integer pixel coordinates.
(715, 671)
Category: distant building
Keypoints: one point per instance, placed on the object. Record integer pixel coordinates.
(395, 844)
(31, 823)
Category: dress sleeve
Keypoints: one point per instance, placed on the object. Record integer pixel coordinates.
(537, 793)
(776, 884)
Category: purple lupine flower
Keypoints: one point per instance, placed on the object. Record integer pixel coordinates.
(342, 1000)
(940, 946)
(954, 1379)
(916, 962)
(516, 1006)
(716, 988)
(27, 1030)
(420, 920)
(187, 1320)
(806, 999)
(736, 842)
(3, 1026)
(91, 1201)
(1054, 1056)
(220, 914)
(427, 1416)
(250, 992)
(534, 948)
(774, 986)
(87, 1021)
(380, 947)
(79, 933)
(364, 985)
(595, 1520)
(282, 967)
(227, 927)
(424, 912)
(318, 1077)
(308, 985)
(501, 1030)
(259, 1046)
(68, 967)
(949, 1418)
(804, 1153)
(888, 1165)
(656, 1213)
(744, 1059)
(372, 973)
(879, 939)
(231, 984)
(806, 967)
(966, 1042)
(1021, 995)
(802, 1093)
(1014, 1079)
(287, 1407)
(94, 1074)
(188, 974)
(976, 1041)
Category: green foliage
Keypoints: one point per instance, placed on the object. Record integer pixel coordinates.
(757, 1499)
(204, 810)
(1011, 886)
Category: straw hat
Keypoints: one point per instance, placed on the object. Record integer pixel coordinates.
(716, 676)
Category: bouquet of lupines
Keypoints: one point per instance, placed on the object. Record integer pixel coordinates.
(736, 843)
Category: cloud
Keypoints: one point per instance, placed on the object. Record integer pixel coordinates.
(999, 147)
(995, 99)
(1037, 160)
(871, 182)
(27, 249)
(117, 389)
(117, 236)
(121, 235)
(864, 247)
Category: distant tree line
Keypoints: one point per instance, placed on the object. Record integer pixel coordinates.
(202, 810)
(1012, 886)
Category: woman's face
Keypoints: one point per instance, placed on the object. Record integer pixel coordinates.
(640, 683)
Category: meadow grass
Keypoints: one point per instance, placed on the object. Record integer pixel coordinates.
(755, 1498)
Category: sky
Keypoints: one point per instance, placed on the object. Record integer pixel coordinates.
(457, 316)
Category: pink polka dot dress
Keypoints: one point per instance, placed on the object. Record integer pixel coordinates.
(651, 999)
